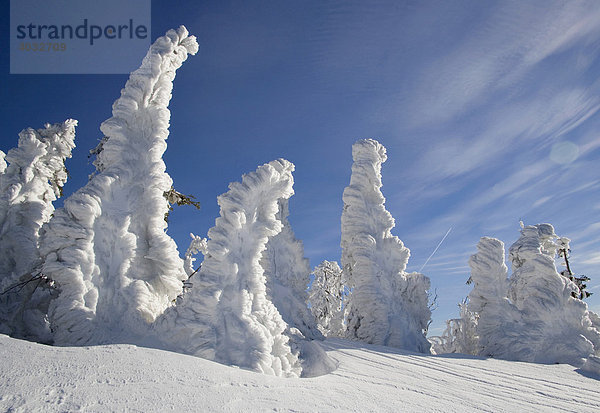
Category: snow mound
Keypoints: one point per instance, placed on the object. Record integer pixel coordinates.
(107, 248)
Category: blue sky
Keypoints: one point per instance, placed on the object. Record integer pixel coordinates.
(488, 110)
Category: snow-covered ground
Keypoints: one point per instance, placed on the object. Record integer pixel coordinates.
(35, 377)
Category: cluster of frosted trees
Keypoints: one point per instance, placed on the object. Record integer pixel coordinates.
(102, 268)
(534, 315)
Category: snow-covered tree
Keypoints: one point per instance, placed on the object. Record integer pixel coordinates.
(488, 299)
(460, 335)
(227, 315)
(28, 186)
(326, 297)
(560, 328)
(388, 306)
(287, 273)
(2, 162)
(532, 316)
(107, 249)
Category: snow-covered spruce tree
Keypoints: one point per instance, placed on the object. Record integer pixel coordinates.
(2, 162)
(326, 296)
(557, 326)
(227, 316)
(28, 186)
(460, 335)
(531, 316)
(107, 248)
(496, 316)
(387, 306)
(287, 273)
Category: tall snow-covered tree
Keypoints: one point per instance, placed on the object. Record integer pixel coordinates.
(326, 297)
(227, 315)
(488, 299)
(388, 306)
(287, 273)
(28, 186)
(107, 249)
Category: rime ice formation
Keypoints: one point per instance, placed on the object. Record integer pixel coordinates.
(326, 298)
(531, 316)
(28, 186)
(488, 299)
(460, 335)
(2, 162)
(197, 245)
(107, 248)
(388, 306)
(227, 315)
(560, 329)
(287, 272)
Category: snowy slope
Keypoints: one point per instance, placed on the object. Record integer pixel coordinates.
(35, 377)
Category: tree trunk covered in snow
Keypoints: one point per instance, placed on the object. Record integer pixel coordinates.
(107, 248)
(28, 186)
(227, 315)
(387, 305)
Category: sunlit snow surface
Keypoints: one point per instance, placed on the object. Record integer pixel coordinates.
(35, 377)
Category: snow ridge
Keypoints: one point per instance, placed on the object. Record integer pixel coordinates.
(107, 249)
(28, 186)
(387, 306)
(227, 315)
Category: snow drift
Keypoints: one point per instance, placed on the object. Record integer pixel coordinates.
(28, 186)
(227, 315)
(387, 306)
(107, 249)
(117, 378)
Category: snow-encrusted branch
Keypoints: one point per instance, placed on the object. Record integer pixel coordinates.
(197, 245)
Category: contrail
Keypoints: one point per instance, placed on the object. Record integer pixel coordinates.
(435, 250)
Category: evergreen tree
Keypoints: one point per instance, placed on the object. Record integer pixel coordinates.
(28, 186)
(326, 298)
(287, 273)
(388, 306)
(227, 315)
(107, 249)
